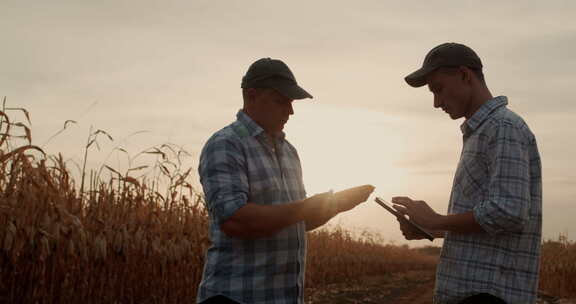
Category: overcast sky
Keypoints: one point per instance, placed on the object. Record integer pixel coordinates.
(173, 68)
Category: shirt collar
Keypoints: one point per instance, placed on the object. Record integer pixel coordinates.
(482, 114)
(251, 126)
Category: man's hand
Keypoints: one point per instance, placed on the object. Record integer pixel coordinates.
(409, 232)
(319, 205)
(418, 211)
(350, 198)
(322, 207)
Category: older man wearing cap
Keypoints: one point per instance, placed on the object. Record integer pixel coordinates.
(493, 228)
(255, 196)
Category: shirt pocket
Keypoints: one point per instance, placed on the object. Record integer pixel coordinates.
(473, 177)
(263, 184)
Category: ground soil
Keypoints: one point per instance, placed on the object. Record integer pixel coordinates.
(414, 287)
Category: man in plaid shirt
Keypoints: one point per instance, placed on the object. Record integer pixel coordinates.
(257, 205)
(493, 228)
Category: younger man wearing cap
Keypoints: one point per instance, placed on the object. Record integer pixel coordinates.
(259, 213)
(493, 228)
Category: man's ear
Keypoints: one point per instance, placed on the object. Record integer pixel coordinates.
(466, 74)
(250, 95)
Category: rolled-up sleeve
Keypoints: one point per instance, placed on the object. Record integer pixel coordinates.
(223, 176)
(507, 206)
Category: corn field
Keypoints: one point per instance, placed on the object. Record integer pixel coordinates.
(119, 240)
(558, 268)
(114, 244)
(335, 256)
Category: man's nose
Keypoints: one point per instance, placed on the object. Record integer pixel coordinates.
(290, 109)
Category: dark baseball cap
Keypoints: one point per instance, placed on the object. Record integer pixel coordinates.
(445, 55)
(274, 74)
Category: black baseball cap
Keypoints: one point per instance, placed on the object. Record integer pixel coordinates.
(449, 54)
(274, 74)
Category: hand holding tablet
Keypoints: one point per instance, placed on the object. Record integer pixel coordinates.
(403, 219)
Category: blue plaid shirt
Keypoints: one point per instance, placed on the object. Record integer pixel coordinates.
(498, 179)
(239, 164)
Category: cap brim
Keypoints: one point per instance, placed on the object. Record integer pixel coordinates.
(293, 91)
(418, 78)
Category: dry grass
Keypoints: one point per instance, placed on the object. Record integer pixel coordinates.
(558, 268)
(118, 240)
(335, 256)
